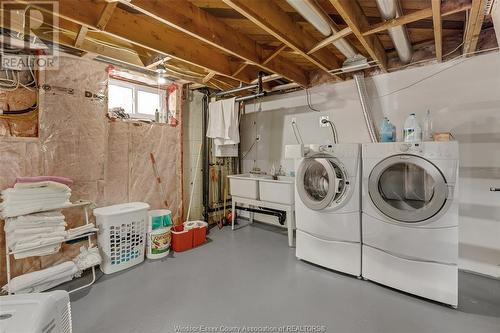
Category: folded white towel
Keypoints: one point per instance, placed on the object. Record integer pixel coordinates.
(38, 252)
(45, 286)
(81, 230)
(55, 186)
(44, 276)
(17, 210)
(9, 226)
(46, 216)
(17, 195)
(26, 244)
(19, 233)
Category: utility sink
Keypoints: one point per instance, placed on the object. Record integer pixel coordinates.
(263, 188)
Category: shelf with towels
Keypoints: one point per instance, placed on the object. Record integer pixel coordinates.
(85, 205)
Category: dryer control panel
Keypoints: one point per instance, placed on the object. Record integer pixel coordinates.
(407, 147)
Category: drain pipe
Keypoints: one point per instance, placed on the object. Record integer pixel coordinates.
(359, 78)
(391, 9)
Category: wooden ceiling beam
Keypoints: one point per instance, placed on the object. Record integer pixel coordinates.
(155, 60)
(150, 34)
(106, 15)
(330, 39)
(267, 15)
(270, 57)
(80, 37)
(436, 20)
(355, 19)
(185, 17)
(474, 25)
(447, 8)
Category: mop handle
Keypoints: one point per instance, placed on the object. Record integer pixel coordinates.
(194, 182)
(158, 179)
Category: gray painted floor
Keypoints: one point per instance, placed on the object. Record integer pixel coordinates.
(250, 277)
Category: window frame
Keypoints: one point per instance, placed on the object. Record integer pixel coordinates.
(135, 90)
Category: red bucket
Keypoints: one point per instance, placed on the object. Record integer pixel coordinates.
(182, 240)
(200, 233)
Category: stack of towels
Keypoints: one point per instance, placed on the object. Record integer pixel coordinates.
(42, 280)
(32, 197)
(35, 230)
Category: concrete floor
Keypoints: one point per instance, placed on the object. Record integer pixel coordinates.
(250, 277)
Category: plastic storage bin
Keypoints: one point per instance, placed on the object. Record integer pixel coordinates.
(122, 235)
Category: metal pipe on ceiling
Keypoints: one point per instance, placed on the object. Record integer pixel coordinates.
(391, 9)
(238, 89)
(313, 13)
(359, 78)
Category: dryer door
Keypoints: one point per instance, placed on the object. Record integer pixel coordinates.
(407, 188)
(319, 182)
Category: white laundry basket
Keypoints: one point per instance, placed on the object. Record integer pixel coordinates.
(122, 235)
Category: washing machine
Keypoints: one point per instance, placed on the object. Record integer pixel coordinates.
(410, 217)
(327, 207)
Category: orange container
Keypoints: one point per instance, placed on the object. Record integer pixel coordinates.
(182, 240)
(200, 234)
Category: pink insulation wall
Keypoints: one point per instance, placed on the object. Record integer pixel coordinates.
(109, 161)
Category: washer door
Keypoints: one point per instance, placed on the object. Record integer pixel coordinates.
(407, 188)
(319, 181)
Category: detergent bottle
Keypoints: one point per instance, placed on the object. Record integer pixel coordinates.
(412, 132)
(386, 131)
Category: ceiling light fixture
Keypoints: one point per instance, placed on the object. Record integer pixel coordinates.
(161, 69)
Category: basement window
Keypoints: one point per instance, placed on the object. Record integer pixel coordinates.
(137, 100)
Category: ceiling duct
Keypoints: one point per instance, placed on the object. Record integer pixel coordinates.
(391, 9)
(310, 10)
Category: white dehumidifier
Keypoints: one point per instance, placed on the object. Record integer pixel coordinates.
(37, 312)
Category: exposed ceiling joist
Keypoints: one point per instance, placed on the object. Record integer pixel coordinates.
(81, 36)
(127, 57)
(150, 34)
(208, 77)
(447, 8)
(271, 18)
(155, 60)
(106, 15)
(355, 19)
(330, 39)
(270, 57)
(474, 24)
(436, 20)
(199, 24)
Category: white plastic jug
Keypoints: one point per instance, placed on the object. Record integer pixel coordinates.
(412, 132)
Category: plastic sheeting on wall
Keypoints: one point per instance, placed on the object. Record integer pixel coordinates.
(129, 170)
(108, 161)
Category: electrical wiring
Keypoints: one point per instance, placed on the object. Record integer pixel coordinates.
(250, 149)
(438, 72)
(24, 116)
(297, 135)
(334, 130)
(308, 97)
